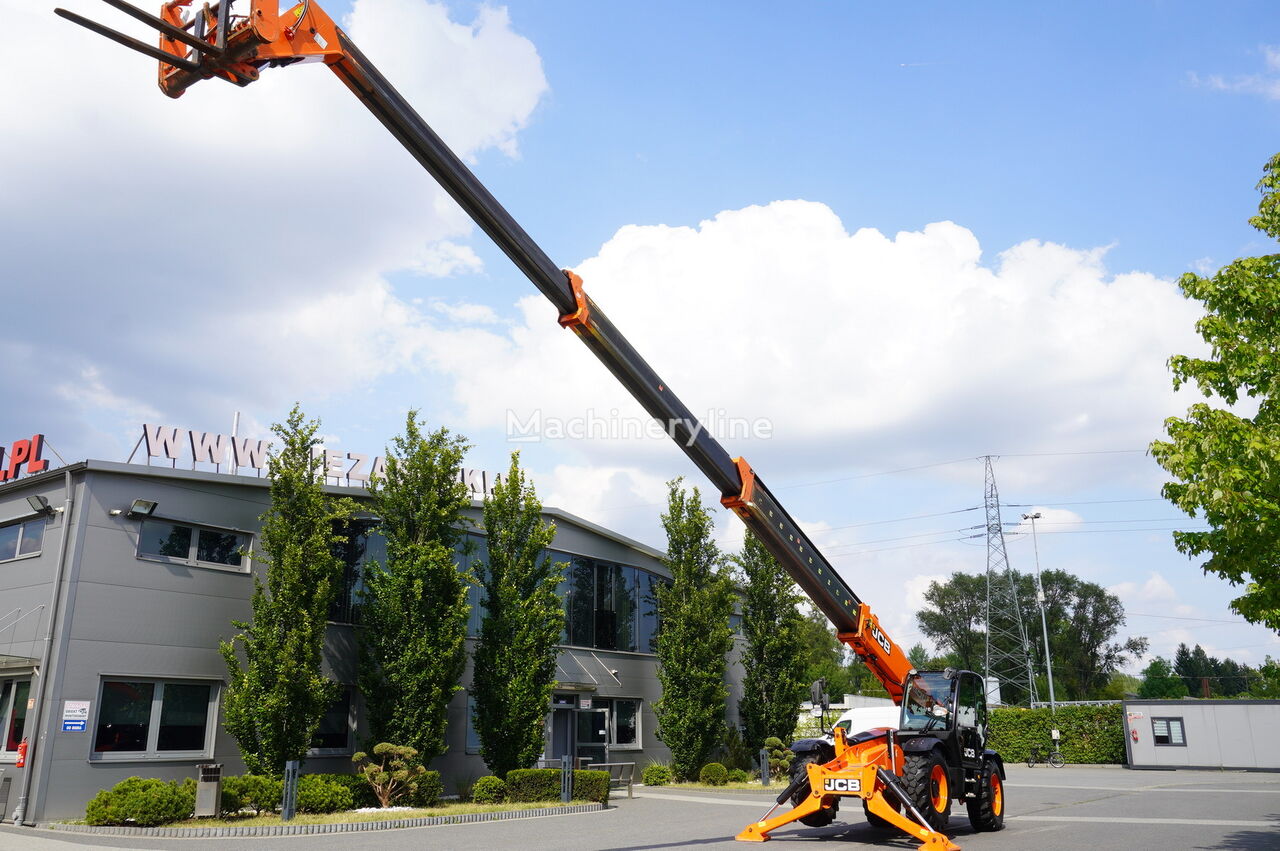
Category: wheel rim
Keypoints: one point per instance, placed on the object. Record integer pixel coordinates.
(938, 787)
(997, 795)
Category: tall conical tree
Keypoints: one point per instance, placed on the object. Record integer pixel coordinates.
(515, 660)
(694, 638)
(278, 694)
(414, 607)
(774, 661)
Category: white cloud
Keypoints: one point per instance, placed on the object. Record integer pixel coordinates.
(466, 314)
(855, 346)
(226, 250)
(1266, 84)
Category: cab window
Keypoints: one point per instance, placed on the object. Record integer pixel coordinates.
(924, 692)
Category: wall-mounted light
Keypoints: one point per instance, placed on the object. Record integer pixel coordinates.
(40, 505)
(142, 508)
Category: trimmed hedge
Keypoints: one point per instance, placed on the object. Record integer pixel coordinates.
(320, 793)
(141, 802)
(1090, 734)
(361, 792)
(737, 775)
(526, 785)
(430, 788)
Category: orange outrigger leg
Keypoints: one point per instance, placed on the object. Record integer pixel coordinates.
(862, 770)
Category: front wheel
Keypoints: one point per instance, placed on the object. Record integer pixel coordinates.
(799, 769)
(1056, 760)
(927, 782)
(986, 810)
(1031, 759)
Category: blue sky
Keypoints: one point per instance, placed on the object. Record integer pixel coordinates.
(1085, 156)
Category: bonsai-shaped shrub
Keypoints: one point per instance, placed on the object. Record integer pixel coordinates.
(489, 790)
(737, 775)
(142, 802)
(656, 774)
(713, 774)
(320, 793)
(779, 757)
(394, 772)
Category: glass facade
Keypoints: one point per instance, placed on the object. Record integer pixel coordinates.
(13, 712)
(334, 732)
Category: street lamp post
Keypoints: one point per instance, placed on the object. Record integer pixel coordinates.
(1044, 627)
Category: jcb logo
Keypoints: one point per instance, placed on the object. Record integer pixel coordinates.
(881, 638)
(842, 784)
(970, 753)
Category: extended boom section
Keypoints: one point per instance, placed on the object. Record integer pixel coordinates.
(904, 782)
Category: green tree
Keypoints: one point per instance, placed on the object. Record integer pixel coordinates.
(1227, 466)
(694, 640)
(1159, 681)
(515, 659)
(1265, 684)
(1195, 667)
(278, 693)
(1083, 619)
(773, 664)
(955, 617)
(826, 657)
(414, 608)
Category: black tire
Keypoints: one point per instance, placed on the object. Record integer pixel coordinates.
(1056, 760)
(986, 811)
(1031, 760)
(878, 822)
(800, 768)
(929, 785)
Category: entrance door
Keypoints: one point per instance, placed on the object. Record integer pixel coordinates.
(593, 735)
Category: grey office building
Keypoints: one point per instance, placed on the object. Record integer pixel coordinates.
(110, 619)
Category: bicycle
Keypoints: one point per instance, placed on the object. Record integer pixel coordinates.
(1055, 758)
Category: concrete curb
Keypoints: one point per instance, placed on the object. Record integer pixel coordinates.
(341, 827)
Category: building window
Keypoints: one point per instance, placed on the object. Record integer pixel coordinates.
(181, 544)
(154, 718)
(333, 736)
(13, 714)
(610, 606)
(1168, 732)
(624, 721)
(364, 546)
(21, 539)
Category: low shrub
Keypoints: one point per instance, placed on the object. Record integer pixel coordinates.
(428, 790)
(320, 793)
(713, 774)
(489, 790)
(525, 785)
(142, 802)
(656, 774)
(737, 775)
(361, 792)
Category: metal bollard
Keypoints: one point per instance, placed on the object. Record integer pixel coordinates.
(566, 778)
(764, 766)
(289, 798)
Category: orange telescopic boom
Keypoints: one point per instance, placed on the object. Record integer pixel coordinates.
(211, 41)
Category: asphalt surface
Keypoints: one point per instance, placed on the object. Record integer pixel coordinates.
(1047, 808)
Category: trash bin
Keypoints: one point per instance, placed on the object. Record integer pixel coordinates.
(209, 790)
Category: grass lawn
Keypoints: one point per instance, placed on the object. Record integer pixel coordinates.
(351, 816)
(774, 786)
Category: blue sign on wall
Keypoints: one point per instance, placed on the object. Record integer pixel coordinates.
(73, 726)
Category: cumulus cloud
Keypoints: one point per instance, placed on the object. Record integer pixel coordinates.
(228, 249)
(858, 348)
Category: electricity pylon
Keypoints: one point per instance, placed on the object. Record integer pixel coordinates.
(1008, 656)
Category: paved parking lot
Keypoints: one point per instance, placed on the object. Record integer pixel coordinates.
(1069, 808)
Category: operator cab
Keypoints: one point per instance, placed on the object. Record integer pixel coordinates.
(950, 706)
